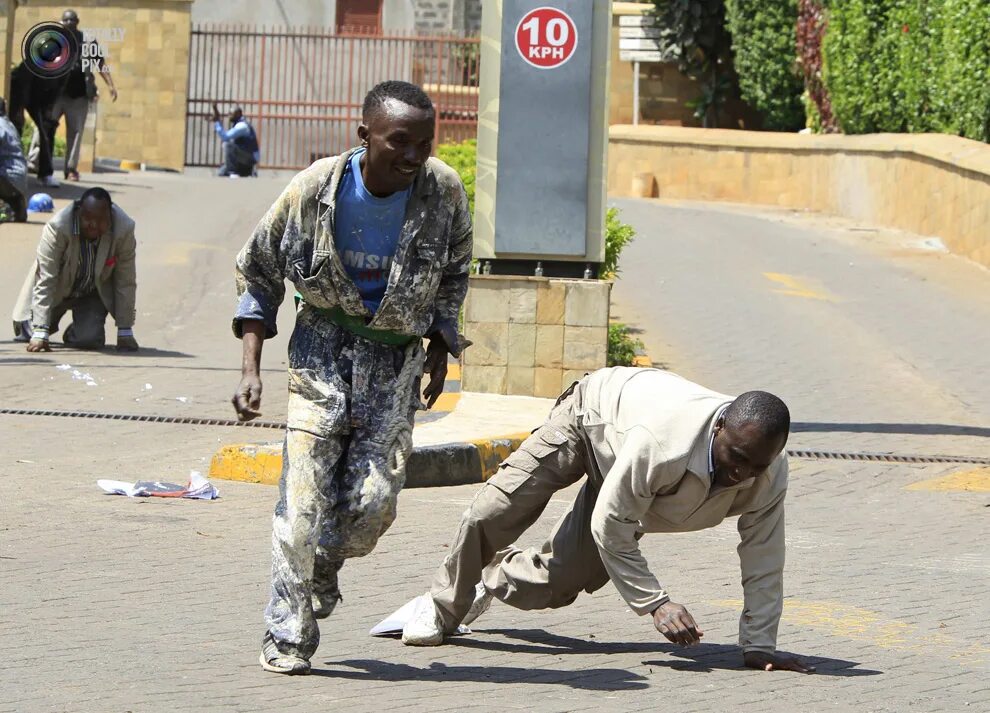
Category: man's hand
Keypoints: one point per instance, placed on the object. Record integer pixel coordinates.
(39, 345)
(216, 112)
(247, 399)
(127, 344)
(676, 623)
(113, 93)
(436, 366)
(772, 662)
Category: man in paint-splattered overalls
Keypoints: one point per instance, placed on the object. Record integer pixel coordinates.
(377, 243)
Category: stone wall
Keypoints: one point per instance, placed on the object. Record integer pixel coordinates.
(930, 184)
(533, 335)
(150, 70)
(8, 47)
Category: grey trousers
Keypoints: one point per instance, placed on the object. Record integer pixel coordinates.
(89, 317)
(552, 458)
(332, 506)
(75, 112)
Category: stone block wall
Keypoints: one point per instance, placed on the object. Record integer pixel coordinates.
(533, 336)
(8, 47)
(930, 184)
(150, 69)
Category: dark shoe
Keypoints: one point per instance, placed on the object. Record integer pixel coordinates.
(324, 603)
(275, 661)
(22, 331)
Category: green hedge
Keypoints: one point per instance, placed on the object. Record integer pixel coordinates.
(909, 66)
(765, 58)
(463, 158)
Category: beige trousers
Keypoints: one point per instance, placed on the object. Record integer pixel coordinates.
(552, 458)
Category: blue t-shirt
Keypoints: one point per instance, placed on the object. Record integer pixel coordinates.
(367, 232)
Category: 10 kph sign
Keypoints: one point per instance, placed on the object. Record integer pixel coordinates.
(546, 37)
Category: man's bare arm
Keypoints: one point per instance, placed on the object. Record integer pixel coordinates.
(247, 399)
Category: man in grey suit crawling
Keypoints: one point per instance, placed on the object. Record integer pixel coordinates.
(662, 454)
(85, 265)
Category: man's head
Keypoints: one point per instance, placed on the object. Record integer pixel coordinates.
(749, 435)
(235, 116)
(397, 126)
(70, 20)
(94, 211)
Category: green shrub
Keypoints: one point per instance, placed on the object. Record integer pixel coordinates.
(463, 158)
(29, 132)
(909, 65)
(959, 97)
(617, 236)
(622, 347)
(765, 52)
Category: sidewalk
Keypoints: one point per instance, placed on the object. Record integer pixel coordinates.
(460, 447)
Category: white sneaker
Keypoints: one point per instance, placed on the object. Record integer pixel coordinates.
(482, 600)
(50, 182)
(424, 629)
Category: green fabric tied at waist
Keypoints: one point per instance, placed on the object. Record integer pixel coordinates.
(356, 325)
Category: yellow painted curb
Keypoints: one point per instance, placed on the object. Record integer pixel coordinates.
(492, 451)
(249, 463)
(130, 165)
(446, 402)
(642, 361)
(970, 481)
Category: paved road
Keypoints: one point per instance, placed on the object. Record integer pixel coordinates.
(109, 604)
(875, 341)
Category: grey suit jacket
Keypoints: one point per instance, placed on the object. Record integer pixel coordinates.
(51, 277)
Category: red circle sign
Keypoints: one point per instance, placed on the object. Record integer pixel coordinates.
(546, 37)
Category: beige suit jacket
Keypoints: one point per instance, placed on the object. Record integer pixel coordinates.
(51, 277)
(649, 431)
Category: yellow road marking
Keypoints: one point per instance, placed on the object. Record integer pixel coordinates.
(447, 401)
(454, 372)
(179, 253)
(838, 619)
(642, 361)
(971, 481)
(795, 287)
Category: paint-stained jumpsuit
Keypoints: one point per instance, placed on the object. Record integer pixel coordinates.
(333, 504)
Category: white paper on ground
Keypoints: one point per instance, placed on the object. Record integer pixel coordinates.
(394, 622)
(199, 488)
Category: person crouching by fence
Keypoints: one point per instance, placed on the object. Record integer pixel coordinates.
(240, 144)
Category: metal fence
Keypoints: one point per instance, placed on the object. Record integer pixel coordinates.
(302, 88)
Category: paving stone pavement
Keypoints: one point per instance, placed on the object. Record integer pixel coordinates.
(111, 604)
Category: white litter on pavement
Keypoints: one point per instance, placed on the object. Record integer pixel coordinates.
(198, 488)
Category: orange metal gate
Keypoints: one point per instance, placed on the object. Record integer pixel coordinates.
(302, 88)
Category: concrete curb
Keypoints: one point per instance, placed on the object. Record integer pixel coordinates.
(461, 463)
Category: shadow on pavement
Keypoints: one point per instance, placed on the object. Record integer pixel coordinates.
(59, 348)
(542, 642)
(593, 679)
(917, 429)
(705, 658)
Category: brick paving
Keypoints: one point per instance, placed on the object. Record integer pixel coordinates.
(111, 604)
